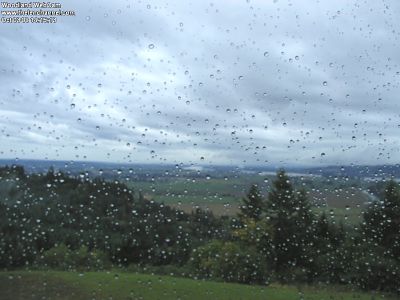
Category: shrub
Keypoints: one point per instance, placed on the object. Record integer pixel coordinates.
(62, 258)
(229, 262)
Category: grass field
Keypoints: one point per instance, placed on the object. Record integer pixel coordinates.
(223, 195)
(197, 191)
(109, 285)
(346, 216)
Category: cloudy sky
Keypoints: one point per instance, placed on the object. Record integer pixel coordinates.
(205, 82)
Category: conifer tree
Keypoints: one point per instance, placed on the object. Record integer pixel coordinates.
(290, 216)
(252, 204)
(382, 221)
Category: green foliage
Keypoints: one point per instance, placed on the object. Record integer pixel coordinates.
(60, 222)
(289, 214)
(252, 206)
(62, 258)
(53, 209)
(378, 262)
(382, 221)
(371, 268)
(326, 262)
(227, 261)
(57, 258)
(258, 236)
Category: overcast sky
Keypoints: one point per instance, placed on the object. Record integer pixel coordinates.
(203, 82)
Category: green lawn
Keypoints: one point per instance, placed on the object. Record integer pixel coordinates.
(198, 191)
(109, 285)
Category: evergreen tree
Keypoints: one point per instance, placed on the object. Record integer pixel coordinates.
(280, 211)
(304, 220)
(382, 221)
(289, 214)
(252, 204)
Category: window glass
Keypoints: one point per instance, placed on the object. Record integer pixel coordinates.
(199, 149)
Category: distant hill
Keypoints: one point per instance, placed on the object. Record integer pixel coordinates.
(372, 172)
(106, 169)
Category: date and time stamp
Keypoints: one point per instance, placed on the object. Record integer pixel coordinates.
(33, 12)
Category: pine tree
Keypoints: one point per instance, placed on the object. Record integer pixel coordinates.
(378, 259)
(305, 217)
(252, 204)
(280, 210)
(305, 237)
(289, 214)
(382, 220)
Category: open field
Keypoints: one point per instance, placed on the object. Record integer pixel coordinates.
(348, 197)
(109, 285)
(215, 208)
(346, 216)
(223, 196)
(219, 190)
(198, 190)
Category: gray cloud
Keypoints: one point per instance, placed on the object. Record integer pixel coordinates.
(249, 82)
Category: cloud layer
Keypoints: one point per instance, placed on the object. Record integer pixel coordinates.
(225, 82)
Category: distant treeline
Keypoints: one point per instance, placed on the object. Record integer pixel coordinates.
(78, 223)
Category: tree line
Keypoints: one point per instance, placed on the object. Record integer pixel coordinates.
(75, 223)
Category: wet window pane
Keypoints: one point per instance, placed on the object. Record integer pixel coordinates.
(199, 150)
